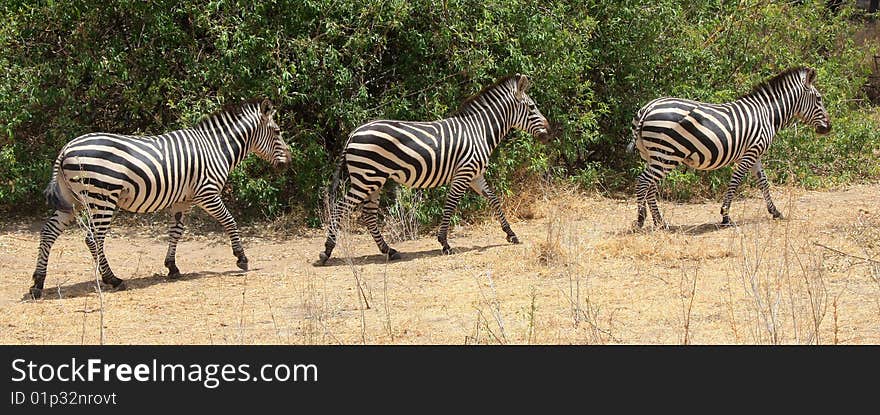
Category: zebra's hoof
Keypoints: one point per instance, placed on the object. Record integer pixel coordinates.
(242, 264)
(322, 258)
(446, 250)
(512, 239)
(777, 215)
(725, 221)
(173, 271)
(120, 286)
(34, 293)
(112, 281)
(637, 225)
(392, 254)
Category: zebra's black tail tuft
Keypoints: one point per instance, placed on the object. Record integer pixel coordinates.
(54, 197)
(54, 193)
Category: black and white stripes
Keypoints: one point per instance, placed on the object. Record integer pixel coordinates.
(452, 151)
(99, 173)
(673, 131)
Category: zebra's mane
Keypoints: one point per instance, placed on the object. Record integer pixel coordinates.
(776, 80)
(467, 106)
(234, 110)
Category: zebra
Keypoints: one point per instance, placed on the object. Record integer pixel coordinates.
(672, 131)
(98, 173)
(452, 151)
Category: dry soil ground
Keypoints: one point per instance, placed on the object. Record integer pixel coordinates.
(581, 276)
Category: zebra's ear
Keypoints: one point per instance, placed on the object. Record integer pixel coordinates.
(522, 84)
(810, 77)
(266, 108)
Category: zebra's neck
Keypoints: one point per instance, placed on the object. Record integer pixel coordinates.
(779, 101)
(232, 135)
(492, 111)
(492, 126)
(494, 118)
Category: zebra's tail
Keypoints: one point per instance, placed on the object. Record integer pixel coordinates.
(330, 195)
(55, 195)
(636, 131)
(637, 123)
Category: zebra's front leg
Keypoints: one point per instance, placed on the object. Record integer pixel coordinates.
(54, 226)
(655, 210)
(100, 217)
(174, 235)
(457, 188)
(764, 184)
(371, 218)
(481, 187)
(215, 207)
(647, 189)
(738, 175)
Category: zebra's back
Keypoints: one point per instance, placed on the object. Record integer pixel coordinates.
(416, 154)
(705, 136)
(139, 173)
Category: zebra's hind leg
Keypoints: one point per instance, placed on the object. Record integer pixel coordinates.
(647, 189)
(457, 188)
(100, 217)
(215, 207)
(57, 223)
(342, 208)
(174, 235)
(643, 187)
(758, 171)
(738, 175)
(480, 186)
(655, 210)
(371, 219)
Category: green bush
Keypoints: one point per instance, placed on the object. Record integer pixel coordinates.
(130, 66)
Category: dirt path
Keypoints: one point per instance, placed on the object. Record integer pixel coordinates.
(580, 276)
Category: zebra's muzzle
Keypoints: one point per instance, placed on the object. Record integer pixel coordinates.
(823, 129)
(281, 161)
(545, 135)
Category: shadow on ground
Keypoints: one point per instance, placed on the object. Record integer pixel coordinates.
(85, 288)
(692, 229)
(404, 256)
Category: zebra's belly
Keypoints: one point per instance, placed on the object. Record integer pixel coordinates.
(694, 162)
(163, 197)
(419, 182)
(133, 204)
(725, 159)
(427, 179)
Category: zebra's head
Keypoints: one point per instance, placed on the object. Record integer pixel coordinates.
(268, 144)
(810, 109)
(527, 116)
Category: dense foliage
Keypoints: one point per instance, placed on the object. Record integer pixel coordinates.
(133, 66)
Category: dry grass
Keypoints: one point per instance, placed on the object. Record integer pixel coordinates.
(581, 276)
(401, 219)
